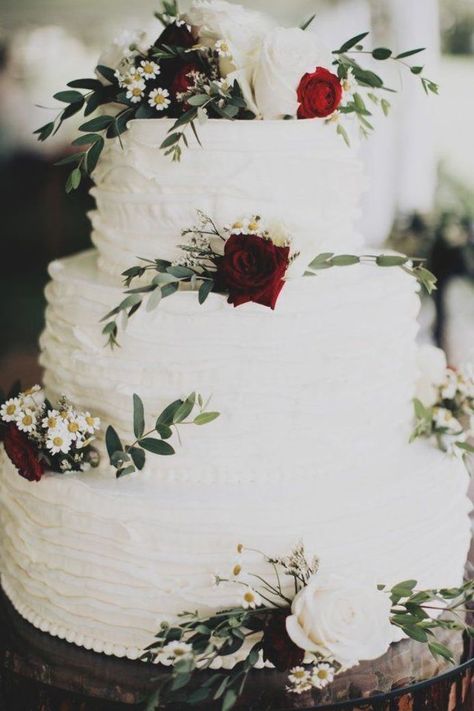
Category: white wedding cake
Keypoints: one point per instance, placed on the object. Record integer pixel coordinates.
(315, 399)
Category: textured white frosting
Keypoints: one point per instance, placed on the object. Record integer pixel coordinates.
(315, 402)
(101, 563)
(299, 172)
(334, 362)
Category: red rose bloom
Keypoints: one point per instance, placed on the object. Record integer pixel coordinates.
(182, 81)
(252, 269)
(22, 454)
(278, 648)
(319, 94)
(176, 36)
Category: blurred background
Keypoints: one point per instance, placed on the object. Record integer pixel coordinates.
(420, 161)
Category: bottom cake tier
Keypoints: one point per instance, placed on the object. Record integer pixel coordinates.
(101, 562)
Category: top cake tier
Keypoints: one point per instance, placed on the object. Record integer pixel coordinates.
(296, 172)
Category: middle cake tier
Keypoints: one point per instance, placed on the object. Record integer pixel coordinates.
(329, 375)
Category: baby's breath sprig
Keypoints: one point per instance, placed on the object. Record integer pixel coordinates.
(127, 458)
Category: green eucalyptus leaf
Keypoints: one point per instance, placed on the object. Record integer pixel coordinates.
(125, 472)
(107, 73)
(381, 53)
(229, 701)
(204, 290)
(164, 431)
(138, 457)
(344, 260)
(93, 154)
(138, 416)
(205, 417)
(156, 446)
(99, 123)
(390, 260)
(352, 42)
(112, 441)
(416, 70)
(154, 299)
(91, 84)
(409, 53)
(167, 416)
(68, 97)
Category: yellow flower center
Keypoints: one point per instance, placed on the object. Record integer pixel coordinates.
(237, 225)
(90, 421)
(299, 674)
(136, 91)
(179, 652)
(322, 674)
(237, 569)
(52, 422)
(224, 47)
(147, 68)
(240, 548)
(58, 441)
(27, 420)
(249, 597)
(253, 226)
(73, 427)
(63, 414)
(11, 409)
(159, 99)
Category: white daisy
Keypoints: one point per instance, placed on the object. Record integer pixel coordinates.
(323, 674)
(300, 680)
(26, 420)
(250, 599)
(10, 409)
(148, 69)
(89, 423)
(52, 420)
(176, 650)
(59, 441)
(136, 91)
(73, 426)
(450, 386)
(223, 49)
(158, 99)
(444, 419)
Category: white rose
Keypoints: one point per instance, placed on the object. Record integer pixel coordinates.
(119, 53)
(242, 29)
(347, 618)
(286, 56)
(432, 366)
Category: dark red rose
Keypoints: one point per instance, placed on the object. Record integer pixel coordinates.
(278, 648)
(182, 81)
(23, 454)
(252, 269)
(176, 36)
(319, 94)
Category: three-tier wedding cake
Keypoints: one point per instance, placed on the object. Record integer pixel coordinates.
(314, 395)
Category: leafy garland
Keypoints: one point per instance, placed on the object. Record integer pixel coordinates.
(203, 93)
(199, 269)
(195, 643)
(350, 71)
(127, 458)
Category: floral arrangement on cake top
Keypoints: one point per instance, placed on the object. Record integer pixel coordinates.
(247, 261)
(220, 60)
(38, 436)
(302, 620)
(444, 403)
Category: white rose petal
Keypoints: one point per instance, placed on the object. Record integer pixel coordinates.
(286, 56)
(346, 619)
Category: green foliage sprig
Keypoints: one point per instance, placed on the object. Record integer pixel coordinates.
(198, 270)
(411, 608)
(194, 643)
(127, 458)
(349, 68)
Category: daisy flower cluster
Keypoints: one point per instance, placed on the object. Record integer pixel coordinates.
(317, 676)
(449, 417)
(60, 435)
